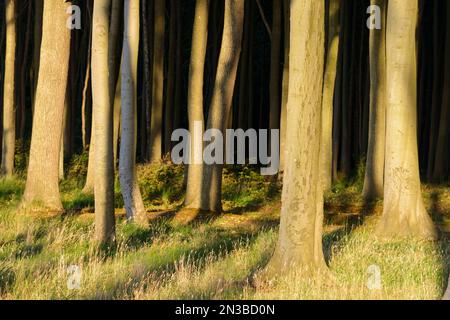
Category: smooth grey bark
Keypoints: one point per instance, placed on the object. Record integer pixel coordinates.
(404, 211)
(127, 165)
(103, 125)
(300, 240)
(42, 186)
(195, 102)
(211, 196)
(9, 110)
(374, 176)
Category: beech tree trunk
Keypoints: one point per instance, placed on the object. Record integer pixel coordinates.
(211, 196)
(158, 82)
(127, 165)
(328, 94)
(404, 211)
(374, 176)
(275, 67)
(42, 186)
(300, 239)
(103, 125)
(285, 84)
(9, 110)
(195, 102)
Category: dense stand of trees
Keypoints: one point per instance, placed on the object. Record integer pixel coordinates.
(345, 92)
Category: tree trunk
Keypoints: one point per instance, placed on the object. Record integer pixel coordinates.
(9, 110)
(285, 84)
(211, 196)
(300, 240)
(328, 93)
(103, 125)
(275, 68)
(158, 82)
(404, 212)
(127, 165)
(171, 78)
(114, 66)
(42, 186)
(374, 177)
(195, 102)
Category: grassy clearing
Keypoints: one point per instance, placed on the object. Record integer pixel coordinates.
(211, 259)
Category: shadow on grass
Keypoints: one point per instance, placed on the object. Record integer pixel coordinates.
(162, 264)
(347, 223)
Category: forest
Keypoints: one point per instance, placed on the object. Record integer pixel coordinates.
(225, 149)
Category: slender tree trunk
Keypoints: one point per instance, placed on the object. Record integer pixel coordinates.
(147, 78)
(195, 103)
(38, 12)
(300, 240)
(285, 84)
(9, 110)
(158, 83)
(114, 66)
(374, 177)
(328, 94)
(211, 196)
(171, 78)
(127, 166)
(42, 186)
(103, 125)
(275, 67)
(404, 212)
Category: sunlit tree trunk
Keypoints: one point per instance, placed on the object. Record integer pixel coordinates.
(127, 165)
(103, 125)
(211, 196)
(42, 186)
(9, 110)
(328, 94)
(404, 211)
(195, 101)
(300, 239)
(374, 178)
(158, 82)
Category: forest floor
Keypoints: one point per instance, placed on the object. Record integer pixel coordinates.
(182, 257)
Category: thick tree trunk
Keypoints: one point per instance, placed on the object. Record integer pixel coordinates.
(158, 82)
(103, 125)
(300, 240)
(127, 165)
(42, 186)
(404, 212)
(328, 94)
(374, 177)
(9, 110)
(211, 196)
(195, 103)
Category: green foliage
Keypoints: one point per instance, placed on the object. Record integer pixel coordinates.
(161, 183)
(244, 187)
